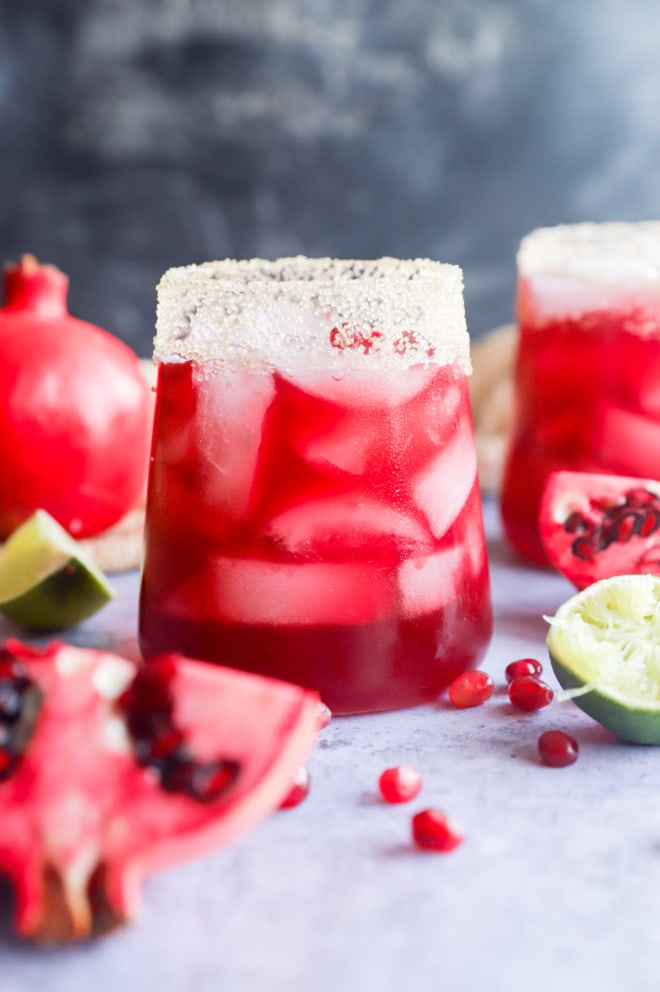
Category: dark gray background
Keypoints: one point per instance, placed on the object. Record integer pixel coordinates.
(140, 134)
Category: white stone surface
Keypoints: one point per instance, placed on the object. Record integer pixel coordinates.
(556, 887)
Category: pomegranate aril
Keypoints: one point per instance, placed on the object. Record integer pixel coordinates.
(158, 749)
(207, 782)
(432, 830)
(558, 749)
(649, 523)
(20, 703)
(575, 523)
(8, 763)
(10, 666)
(527, 692)
(639, 497)
(522, 666)
(148, 708)
(624, 527)
(471, 689)
(399, 784)
(299, 789)
(585, 548)
(10, 701)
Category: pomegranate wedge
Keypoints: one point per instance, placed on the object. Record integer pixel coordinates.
(109, 771)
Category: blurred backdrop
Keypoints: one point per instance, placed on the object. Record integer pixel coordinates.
(141, 134)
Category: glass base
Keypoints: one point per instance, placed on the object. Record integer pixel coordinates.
(390, 664)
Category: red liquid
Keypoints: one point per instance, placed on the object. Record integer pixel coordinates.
(587, 399)
(328, 532)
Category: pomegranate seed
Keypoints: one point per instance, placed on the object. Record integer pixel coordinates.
(523, 666)
(575, 523)
(400, 784)
(8, 762)
(432, 830)
(649, 523)
(529, 693)
(639, 497)
(471, 689)
(299, 790)
(585, 548)
(558, 749)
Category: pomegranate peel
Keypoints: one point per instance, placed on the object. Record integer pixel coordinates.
(82, 821)
(75, 410)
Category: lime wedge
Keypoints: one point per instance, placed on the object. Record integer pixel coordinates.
(47, 582)
(604, 643)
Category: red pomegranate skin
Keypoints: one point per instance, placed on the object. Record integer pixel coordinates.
(75, 410)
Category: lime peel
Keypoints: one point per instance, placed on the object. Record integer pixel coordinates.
(47, 581)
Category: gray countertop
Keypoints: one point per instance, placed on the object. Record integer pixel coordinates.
(557, 885)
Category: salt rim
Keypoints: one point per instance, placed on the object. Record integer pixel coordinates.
(604, 253)
(318, 313)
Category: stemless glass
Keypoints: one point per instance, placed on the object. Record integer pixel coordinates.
(587, 379)
(313, 508)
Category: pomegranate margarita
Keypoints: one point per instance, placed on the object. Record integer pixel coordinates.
(313, 508)
(587, 378)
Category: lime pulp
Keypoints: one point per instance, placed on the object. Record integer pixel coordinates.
(604, 643)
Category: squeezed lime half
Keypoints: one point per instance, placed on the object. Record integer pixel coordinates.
(605, 644)
(47, 582)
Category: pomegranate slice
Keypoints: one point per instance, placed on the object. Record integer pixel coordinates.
(594, 526)
(109, 771)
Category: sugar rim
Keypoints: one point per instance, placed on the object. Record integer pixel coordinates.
(594, 252)
(332, 313)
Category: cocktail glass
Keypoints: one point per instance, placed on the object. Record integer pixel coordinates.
(587, 378)
(313, 507)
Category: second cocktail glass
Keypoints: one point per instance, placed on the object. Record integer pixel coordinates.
(587, 377)
(313, 510)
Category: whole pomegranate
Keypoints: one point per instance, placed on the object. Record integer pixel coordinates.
(75, 410)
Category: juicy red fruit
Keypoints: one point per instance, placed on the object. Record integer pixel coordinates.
(75, 410)
(557, 749)
(399, 784)
(157, 765)
(523, 666)
(594, 526)
(529, 693)
(470, 689)
(433, 830)
(158, 743)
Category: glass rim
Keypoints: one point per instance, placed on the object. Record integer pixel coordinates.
(594, 251)
(327, 312)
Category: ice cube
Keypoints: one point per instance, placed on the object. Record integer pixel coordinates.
(241, 590)
(427, 584)
(626, 442)
(229, 425)
(363, 388)
(346, 525)
(346, 445)
(442, 487)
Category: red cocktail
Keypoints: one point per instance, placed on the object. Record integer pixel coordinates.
(588, 368)
(313, 510)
